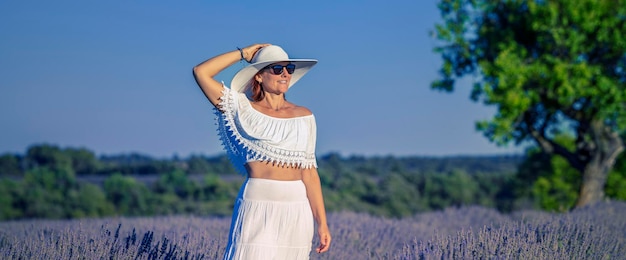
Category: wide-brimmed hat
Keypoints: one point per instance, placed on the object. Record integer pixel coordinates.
(266, 56)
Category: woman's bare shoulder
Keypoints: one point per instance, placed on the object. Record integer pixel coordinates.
(301, 111)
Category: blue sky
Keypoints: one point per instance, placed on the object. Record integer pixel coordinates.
(115, 76)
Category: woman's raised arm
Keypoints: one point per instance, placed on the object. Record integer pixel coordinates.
(205, 72)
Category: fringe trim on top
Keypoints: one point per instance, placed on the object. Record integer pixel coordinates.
(240, 149)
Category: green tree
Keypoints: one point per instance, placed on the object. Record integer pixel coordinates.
(399, 197)
(455, 188)
(46, 155)
(89, 201)
(83, 161)
(616, 182)
(129, 196)
(51, 179)
(198, 165)
(550, 67)
(176, 182)
(216, 196)
(9, 193)
(551, 183)
(46, 192)
(10, 165)
(557, 190)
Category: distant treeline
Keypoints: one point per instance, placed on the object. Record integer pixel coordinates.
(53, 182)
(84, 162)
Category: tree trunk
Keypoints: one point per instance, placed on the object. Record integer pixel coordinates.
(592, 186)
(608, 146)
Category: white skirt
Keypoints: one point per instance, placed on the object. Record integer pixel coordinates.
(271, 220)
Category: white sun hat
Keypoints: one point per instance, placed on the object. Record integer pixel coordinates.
(266, 56)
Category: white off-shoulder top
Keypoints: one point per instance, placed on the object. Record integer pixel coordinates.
(249, 135)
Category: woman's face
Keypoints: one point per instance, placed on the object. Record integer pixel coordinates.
(276, 83)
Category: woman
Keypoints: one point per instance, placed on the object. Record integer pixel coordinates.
(272, 141)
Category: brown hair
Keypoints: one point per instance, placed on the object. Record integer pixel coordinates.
(257, 90)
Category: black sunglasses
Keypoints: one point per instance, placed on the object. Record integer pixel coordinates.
(278, 69)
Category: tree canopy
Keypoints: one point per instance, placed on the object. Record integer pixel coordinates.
(550, 67)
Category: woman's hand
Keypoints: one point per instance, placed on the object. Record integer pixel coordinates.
(205, 72)
(250, 51)
(324, 239)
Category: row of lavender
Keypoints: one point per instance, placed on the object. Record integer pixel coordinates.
(596, 232)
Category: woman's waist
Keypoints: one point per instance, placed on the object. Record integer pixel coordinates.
(267, 170)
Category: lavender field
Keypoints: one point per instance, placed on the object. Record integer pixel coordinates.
(596, 232)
